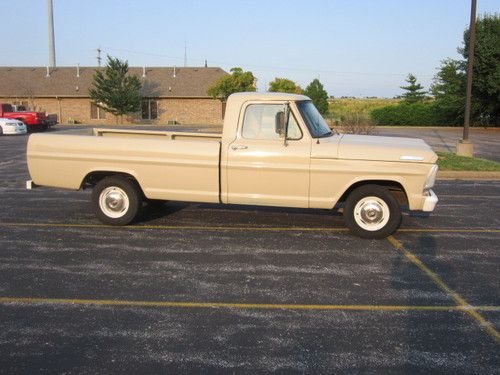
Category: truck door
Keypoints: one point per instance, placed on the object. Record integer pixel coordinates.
(262, 168)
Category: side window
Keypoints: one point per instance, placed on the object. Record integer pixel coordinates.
(260, 123)
(294, 132)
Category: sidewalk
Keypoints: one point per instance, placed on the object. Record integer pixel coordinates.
(467, 175)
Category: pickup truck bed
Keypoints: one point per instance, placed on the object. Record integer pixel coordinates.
(169, 165)
(157, 134)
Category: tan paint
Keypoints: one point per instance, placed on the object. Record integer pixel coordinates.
(185, 166)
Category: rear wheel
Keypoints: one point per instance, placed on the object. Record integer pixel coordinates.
(116, 200)
(371, 211)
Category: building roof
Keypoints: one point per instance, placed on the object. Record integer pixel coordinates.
(63, 81)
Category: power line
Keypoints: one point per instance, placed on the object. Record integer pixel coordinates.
(268, 67)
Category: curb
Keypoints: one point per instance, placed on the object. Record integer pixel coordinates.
(468, 175)
(460, 128)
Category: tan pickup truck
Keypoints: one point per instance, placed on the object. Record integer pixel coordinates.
(275, 150)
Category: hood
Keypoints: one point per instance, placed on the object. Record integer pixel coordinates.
(369, 147)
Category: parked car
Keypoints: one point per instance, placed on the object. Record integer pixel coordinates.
(12, 126)
(275, 150)
(33, 120)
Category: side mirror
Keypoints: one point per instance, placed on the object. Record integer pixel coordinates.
(279, 124)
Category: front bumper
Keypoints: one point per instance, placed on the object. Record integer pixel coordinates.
(430, 201)
(14, 131)
(30, 185)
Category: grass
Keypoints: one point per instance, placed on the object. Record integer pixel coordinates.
(451, 162)
(346, 107)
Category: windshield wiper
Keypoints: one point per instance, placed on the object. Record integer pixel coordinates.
(327, 134)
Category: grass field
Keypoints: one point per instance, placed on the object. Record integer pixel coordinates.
(451, 162)
(341, 108)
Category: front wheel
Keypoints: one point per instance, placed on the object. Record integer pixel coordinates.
(116, 200)
(371, 211)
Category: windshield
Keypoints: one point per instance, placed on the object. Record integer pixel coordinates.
(315, 122)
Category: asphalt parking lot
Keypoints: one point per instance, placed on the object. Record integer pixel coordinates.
(233, 289)
(485, 141)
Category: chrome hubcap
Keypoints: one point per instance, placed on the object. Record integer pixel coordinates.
(371, 213)
(114, 202)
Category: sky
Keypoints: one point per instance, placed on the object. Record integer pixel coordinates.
(355, 47)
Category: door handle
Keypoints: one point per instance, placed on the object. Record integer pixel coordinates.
(239, 147)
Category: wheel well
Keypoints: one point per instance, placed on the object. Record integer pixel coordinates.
(394, 187)
(93, 178)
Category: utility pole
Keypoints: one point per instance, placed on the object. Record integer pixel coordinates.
(99, 57)
(465, 147)
(52, 44)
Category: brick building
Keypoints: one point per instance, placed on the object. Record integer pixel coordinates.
(169, 94)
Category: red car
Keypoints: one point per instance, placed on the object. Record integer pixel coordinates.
(33, 120)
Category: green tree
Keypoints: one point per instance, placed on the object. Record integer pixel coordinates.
(449, 91)
(486, 81)
(318, 95)
(414, 92)
(237, 81)
(449, 82)
(284, 85)
(114, 90)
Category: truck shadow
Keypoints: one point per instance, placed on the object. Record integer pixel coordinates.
(159, 209)
(224, 214)
(284, 210)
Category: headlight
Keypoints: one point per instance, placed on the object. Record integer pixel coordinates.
(431, 177)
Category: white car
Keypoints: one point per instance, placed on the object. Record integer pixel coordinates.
(12, 126)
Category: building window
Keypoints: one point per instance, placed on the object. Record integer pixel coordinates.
(149, 109)
(97, 113)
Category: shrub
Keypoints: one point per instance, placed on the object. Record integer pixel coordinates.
(341, 108)
(356, 124)
(419, 114)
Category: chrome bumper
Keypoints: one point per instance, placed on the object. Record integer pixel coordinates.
(30, 185)
(430, 201)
